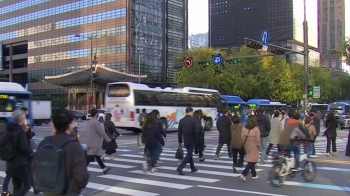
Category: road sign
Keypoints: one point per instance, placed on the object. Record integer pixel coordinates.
(264, 37)
(316, 92)
(188, 61)
(217, 59)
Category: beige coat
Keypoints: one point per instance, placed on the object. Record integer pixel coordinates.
(276, 130)
(94, 137)
(252, 145)
(312, 130)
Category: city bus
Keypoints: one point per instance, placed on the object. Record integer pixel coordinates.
(12, 97)
(323, 108)
(237, 105)
(269, 106)
(125, 101)
(340, 108)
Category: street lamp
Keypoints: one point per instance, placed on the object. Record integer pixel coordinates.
(91, 61)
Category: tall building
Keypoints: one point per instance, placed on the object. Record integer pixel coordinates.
(331, 29)
(232, 21)
(47, 38)
(198, 40)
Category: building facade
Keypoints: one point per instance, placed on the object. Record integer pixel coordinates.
(232, 21)
(47, 38)
(332, 35)
(198, 40)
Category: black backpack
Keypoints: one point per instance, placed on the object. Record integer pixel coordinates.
(49, 164)
(7, 146)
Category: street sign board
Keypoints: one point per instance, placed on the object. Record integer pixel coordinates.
(217, 59)
(188, 61)
(264, 37)
(316, 92)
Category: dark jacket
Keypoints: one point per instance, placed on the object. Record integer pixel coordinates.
(152, 136)
(331, 128)
(160, 127)
(223, 124)
(77, 173)
(189, 130)
(264, 125)
(110, 129)
(24, 150)
(347, 152)
(317, 123)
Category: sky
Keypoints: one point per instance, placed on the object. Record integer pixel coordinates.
(198, 16)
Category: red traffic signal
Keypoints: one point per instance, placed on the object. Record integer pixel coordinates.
(188, 61)
(254, 45)
(278, 51)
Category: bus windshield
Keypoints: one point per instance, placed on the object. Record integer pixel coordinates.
(319, 107)
(334, 107)
(7, 105)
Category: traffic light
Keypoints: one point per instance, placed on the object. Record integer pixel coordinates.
(233, 61)
(310, 91)
(277, 51)
(254, 45)
(204, 63)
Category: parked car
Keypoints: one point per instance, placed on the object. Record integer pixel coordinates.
(101, 115)
(80, 116)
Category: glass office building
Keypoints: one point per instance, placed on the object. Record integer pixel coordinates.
(232, 21)
(42, 38)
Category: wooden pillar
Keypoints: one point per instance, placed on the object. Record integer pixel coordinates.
(74, 100)
(68, 99)
(87, 101)
(101, 99)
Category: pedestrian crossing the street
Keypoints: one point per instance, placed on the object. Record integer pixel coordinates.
(128, 178)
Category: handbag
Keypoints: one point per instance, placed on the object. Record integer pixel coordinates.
(109, 147)
(179, 153)
(140, 140)
(245, 141)
(326, 131)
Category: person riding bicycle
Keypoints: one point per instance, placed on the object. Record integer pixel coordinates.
(292, 129)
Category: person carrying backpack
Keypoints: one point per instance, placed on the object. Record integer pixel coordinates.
(59, 162)
(264, 127)
(15, 149)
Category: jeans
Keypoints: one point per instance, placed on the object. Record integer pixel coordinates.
(309, 149)
(270, 147)
(334, 145)
(5, 184)
(263, 142)
(250, 166)
(20, 180)
(188, 158)
(152, 157)
(218, 149)
(296, 150)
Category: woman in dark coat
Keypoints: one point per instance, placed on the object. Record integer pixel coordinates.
(223, 125)
(347, 152)
(200, 142)
(112, 133)
(331, 133)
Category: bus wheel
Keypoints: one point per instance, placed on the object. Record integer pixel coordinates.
(3, 124)
(164, 123)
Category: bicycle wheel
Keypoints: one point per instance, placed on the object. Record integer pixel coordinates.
(309, 171)
(274, 176)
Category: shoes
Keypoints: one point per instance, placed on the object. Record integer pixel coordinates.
(153, 170)
(201, 159)
(216, 157)
(180, 172)
(255, 177)
(194, 170)
(5, 193)
(106, 170)
(243, 178)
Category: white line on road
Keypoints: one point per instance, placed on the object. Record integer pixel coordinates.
(239, 191)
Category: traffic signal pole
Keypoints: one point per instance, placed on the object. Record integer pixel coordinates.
(306, 60)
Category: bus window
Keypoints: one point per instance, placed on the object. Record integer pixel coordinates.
(7, 105)
(118, 90)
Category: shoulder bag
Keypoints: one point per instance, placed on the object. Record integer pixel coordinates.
(325, 133)
(109, 146)
(245, 141)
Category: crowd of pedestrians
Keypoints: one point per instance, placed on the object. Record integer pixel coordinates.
(62, 155)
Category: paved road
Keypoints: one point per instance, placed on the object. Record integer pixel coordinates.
(213, 177)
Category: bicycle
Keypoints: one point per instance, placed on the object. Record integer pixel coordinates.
(283, 166)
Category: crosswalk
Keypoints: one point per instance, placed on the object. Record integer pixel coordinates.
(128, 178)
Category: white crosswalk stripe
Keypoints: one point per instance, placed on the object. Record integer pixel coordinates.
(128, 178)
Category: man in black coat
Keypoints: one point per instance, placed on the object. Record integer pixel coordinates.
(189, 130)
(223, 124)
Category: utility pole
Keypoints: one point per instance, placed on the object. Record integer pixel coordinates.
(306, 59)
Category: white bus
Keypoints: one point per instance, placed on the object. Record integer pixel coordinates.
(125, 101)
